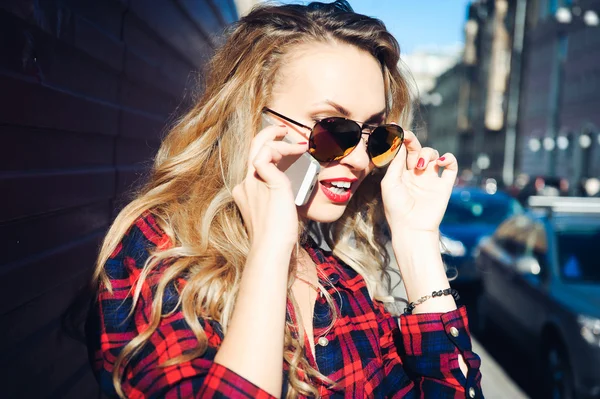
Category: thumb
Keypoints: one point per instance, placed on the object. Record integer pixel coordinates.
(398, 164)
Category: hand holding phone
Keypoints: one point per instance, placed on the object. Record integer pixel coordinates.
(302, 170)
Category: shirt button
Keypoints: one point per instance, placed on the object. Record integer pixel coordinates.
(323, 341)
(454, 332)
(471, 392)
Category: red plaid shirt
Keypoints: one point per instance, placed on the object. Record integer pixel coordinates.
(367, 353)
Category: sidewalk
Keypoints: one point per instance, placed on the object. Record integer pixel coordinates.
(495, 383)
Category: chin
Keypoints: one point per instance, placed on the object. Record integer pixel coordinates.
(321, 213)
(320, 209)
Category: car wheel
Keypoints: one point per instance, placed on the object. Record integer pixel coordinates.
(557, 376)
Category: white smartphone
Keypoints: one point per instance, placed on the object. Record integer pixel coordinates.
(302, 170)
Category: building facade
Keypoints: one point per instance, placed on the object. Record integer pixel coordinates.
(471, 120)
(558, 118)
(441, 116)
(88, 88)
(528, 93)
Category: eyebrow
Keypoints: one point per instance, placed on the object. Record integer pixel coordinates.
(346, 113)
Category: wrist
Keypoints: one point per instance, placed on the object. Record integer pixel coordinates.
(267, 253)
(420, 263)
(415, 242)
(403, 231)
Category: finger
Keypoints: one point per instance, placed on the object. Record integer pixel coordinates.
(450, 164)
(413, 146)
(426, 156)
(397, 166)
(266, 170)
(270, 133)
(287, 149)
(276, 151)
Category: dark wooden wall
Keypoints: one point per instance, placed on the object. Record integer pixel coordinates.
(87, 88)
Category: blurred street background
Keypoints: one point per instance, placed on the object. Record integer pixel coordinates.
(511, 87)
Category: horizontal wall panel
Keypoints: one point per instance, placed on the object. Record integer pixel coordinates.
(175, 28)
(143, 40)
(24, 325)
(42, 106)
(170, 76)
(27, 149)
(38, 193)
(136, 152)
(149, 57)
(48, 362)
(93, 41)
(130, 179)
(45, 273)
(13, 43)
(28, 237)
(146, 99)
(106, 15)
(205, 17)
(31, 49)
(75, 71)
(85, 387)
(136, 124)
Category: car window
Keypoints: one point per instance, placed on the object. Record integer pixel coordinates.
(479, 209)
(577, 254)
(522, 236)
(537, 244)
(509, 237)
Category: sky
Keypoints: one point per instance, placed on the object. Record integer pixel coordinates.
(417, 24)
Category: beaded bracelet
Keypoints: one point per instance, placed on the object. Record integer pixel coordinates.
(448, 291)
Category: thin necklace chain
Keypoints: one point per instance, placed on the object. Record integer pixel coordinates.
(311, 285)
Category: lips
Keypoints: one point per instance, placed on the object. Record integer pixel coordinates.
(338, 190)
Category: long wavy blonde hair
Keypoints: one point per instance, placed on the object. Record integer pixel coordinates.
(205, 154)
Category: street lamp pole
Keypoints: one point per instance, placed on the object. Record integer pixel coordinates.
(512, 112)
(558, 72)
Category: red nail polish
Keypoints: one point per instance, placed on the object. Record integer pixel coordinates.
(303, 142)
(441, 158)
(421, 163)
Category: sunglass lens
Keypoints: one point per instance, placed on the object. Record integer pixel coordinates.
(333, 139)
(384, 144)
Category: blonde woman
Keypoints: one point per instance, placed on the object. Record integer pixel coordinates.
(209, 284)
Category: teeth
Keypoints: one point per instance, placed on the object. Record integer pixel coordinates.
(337, 190)
(341, 184)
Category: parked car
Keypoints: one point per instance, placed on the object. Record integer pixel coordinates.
(472, 214)
(542, 186)
(541, 288)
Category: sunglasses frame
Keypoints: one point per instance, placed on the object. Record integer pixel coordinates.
(361, 125)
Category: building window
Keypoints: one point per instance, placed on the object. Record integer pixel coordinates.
(552, 7)
(543, 9)
(563, 47)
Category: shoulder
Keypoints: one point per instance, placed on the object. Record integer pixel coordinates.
(142, 238)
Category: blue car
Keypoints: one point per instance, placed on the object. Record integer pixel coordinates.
(472, 215)
(541, 291)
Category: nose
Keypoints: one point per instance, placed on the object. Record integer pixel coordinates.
(358, 158)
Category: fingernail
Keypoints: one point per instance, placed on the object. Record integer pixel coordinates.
(421, 163)
(441, 158)
(303, 142)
